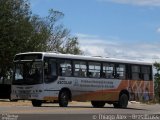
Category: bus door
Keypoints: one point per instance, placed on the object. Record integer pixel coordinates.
(50, 76)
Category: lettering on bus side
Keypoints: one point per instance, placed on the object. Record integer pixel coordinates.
(64, 82)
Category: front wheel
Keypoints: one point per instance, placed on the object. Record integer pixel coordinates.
(36, 103)
(63, 99)
(98, 104)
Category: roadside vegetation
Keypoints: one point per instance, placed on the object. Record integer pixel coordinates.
(23, 31)
(157, 83)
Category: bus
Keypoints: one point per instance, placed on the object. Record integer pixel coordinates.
(43, 77)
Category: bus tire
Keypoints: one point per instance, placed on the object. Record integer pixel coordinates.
(98, 104)
(123, 101)
(116, 105)
(64, 98)
(36, 103)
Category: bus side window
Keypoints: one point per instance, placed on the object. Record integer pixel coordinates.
(90, 74)
(65, 68)
(80, 68)
(120, 71)
(103, 75)
(94, 69)
(135, 69)
(108, 70)
(145, 72)
(68, 71)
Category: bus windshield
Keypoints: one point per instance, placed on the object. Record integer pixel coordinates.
(28, 73)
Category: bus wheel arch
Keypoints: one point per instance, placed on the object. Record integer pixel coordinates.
(64, 97)
(124, 92)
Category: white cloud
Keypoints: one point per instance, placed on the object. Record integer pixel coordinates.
(158, 30)
(86, 35)
(95, 46)
(136, 2)
(94, 39)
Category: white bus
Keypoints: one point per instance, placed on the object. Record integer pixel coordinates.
(52, 77)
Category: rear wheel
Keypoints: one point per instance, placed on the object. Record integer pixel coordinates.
(98, 104)
(116, 105)
(36, 103)
(63, 98)
(123, 101)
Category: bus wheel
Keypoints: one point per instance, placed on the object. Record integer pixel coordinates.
(98, 104)
(36, 103)
(123, 101)
(63, 99)
(116, 105)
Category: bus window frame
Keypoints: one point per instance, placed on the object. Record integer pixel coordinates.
(109, 63)
(141, 78)
(139, 73)
(117, 76)
(149, 74)
(58, 64)
(85, 74)
(99, 76)
(128, 68)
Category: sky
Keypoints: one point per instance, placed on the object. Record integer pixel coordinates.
(126, 29)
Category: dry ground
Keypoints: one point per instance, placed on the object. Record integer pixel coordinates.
(19, 103)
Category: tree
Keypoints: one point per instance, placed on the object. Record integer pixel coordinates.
(57, 31)
(60, 39)
(157, 81)
(71, 46)
(40, 33)
(13, 18)
(20, 31)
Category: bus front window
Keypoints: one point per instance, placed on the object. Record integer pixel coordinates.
(28, 73)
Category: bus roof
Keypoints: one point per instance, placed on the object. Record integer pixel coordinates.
(90, 58)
